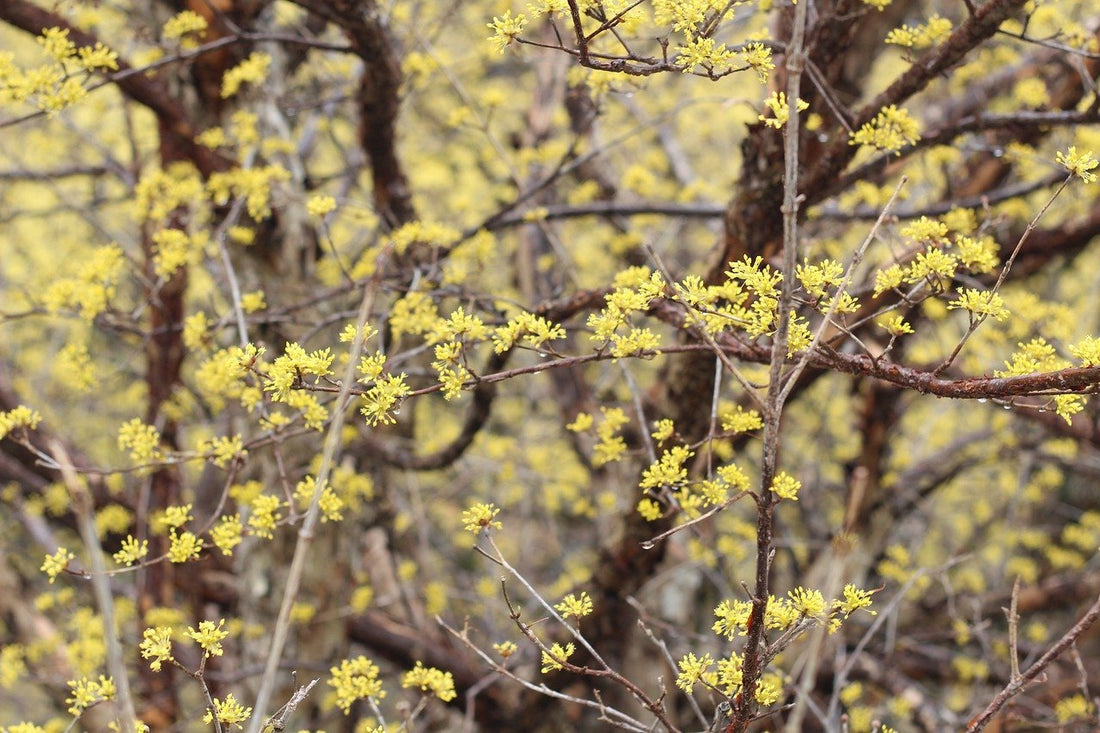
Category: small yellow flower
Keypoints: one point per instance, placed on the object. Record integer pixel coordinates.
(692, 670)
(183, 24)
(663, 430)
(56, 563)
(18, 417)
(1078, 164)
(320, 205)
(895, 325)
(891, 130)
(184, 547)
(581, 423)
(980, 302)
(209, 637)
(86, 692)
(253, 70)
(574, 605)
(779, 107)
(355, 679)
(131, 551)
(650, 510)
(440, 683)
(480, 516)
(553, 659)
(156, 645)
(506, 29)
(228, 711)
(226, 534)
(253, 301)
(786, 486)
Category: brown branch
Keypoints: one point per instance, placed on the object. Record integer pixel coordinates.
(822, 180)
(377, 99)
(1015, 686)
(613, 208)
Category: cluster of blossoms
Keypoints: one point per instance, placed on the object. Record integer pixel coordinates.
(798, 611)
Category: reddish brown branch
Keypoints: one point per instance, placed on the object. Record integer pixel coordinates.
(378, 100)
(822, 180)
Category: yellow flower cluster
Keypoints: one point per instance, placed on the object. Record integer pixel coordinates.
(704, 51)
(758, 57)
(739, 420)
(331, 504)
(254, 185)
(253, 70)
(635, 289)
(57, 563)
(381, 401)
(422, 232)
(289, 370)
(786, 486)
(131, 551)
(891, 130)
(143, 441)
(162, 191)
(1039, 356)
(780, 109)
(938, 263)
(979, 303)
(576, 606)
(895, 325)
(156, 645)
(528, 329)
(183, 547)
(506, 29)
(554, 658)
(227, 711)
(85, 693)
(783, 613)
(209, 636)
(669, 470)
(226, 534)
(936, 30)
(762, 282)
(413, 314)
(480, 516)
(53, 87)
(439, 683)
(183, 24)
(266, 514)
(19, 417)
(355, 679)
(1081, 165)
(222, 450)
(93, 287)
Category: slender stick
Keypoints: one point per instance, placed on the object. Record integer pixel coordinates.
(82, 506)
(745, 705)
(1015, 686)
(305, 534)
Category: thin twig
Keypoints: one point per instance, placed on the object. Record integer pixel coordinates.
(745, 705)
(1013, 632)
(82, 507)
(1015, 686)
(332, 443)
(980, 319)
